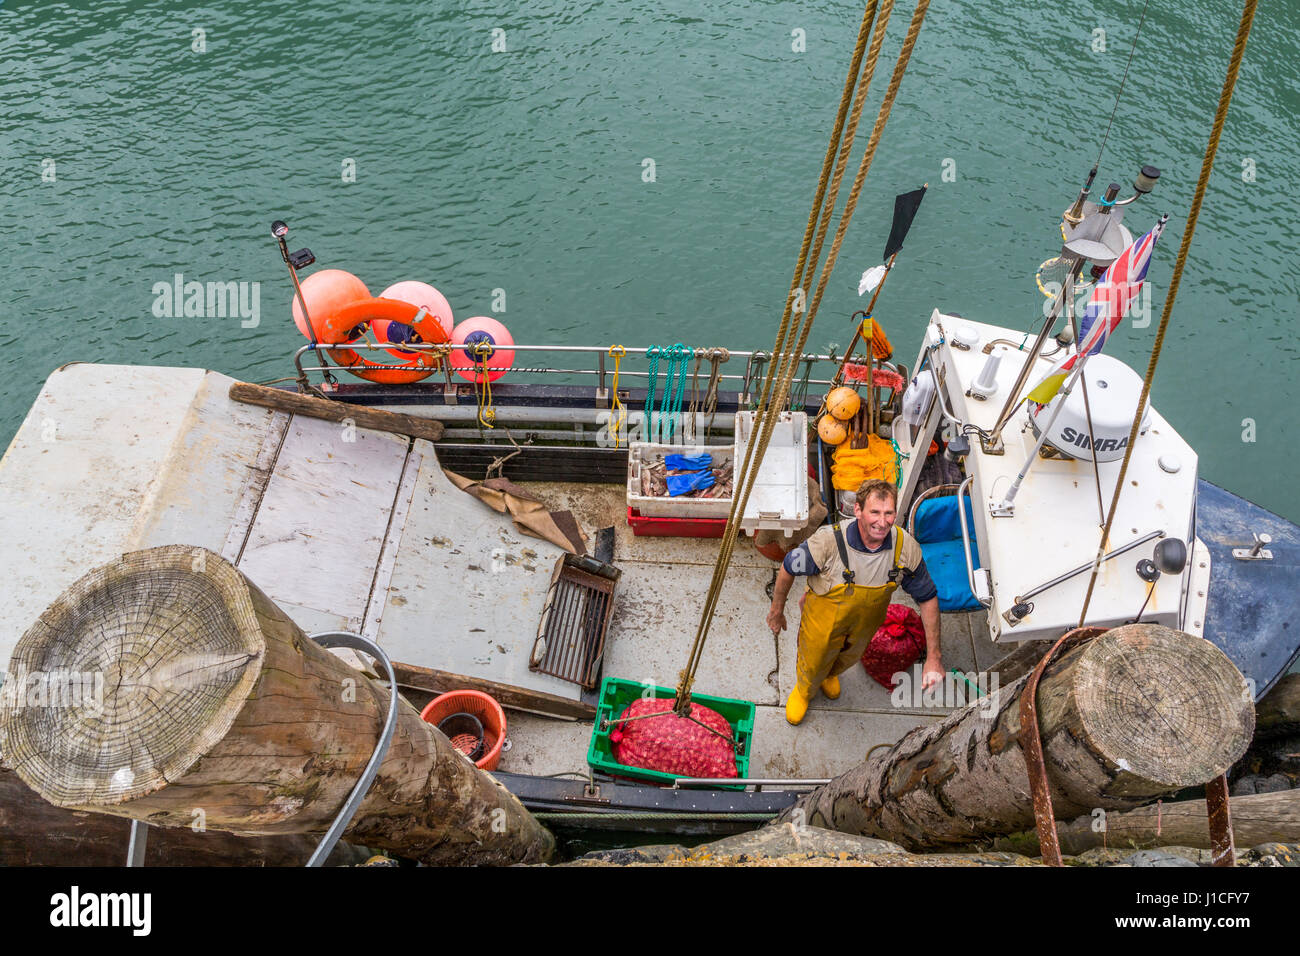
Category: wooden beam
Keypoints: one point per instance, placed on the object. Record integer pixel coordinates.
(36, 833)
(507, 695)
(193, 690)
(1256, 818)
(361, 415)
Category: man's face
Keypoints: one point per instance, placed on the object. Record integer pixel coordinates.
(875, 518)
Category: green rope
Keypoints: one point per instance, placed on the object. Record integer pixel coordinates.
(675, 385)
(653, 355)
(799, 397)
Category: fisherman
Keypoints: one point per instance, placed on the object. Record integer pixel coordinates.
(851, 573)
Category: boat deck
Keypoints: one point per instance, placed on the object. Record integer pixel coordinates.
(657, 605)
(351, 529)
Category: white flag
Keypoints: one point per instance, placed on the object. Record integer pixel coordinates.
(871, 278)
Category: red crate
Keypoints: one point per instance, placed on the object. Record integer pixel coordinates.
(647, 526)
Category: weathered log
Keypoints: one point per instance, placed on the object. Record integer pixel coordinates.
(1137, 713)
(1256, 818)
(214, 704)
(36, 833)
(333, 411)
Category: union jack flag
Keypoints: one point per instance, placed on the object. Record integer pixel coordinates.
(1109, 303)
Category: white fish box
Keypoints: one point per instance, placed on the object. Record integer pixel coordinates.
(779, 500)
(642, 453)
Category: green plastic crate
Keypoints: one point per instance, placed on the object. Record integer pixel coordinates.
(616, 694)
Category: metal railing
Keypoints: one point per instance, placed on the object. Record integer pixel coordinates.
(752, 377)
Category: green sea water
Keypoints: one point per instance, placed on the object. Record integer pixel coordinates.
(488, 146)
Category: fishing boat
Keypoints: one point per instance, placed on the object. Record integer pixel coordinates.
(351, 527)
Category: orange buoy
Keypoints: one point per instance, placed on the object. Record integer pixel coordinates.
(326, 293)
(831, 430)
(843, 403)
(425, 296)
(392, 321)
(481, 331)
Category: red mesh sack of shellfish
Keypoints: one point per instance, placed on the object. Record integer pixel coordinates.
(672, 744)
(895, 646)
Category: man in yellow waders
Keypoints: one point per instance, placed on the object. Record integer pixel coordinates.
(852, 571)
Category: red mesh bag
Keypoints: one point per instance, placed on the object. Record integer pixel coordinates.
(672, 744)
(895, 646)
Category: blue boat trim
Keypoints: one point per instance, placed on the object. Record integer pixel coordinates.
(1252, 604)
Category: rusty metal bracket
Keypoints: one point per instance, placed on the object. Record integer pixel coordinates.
(1219, 810)
(1031, 745)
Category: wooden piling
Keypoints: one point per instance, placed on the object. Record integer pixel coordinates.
(215, 702)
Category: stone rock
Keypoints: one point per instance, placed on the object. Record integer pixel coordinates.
(655, 853)
(1156, 858)
(1274, 783)
(1243, 786)
(1271, 854)
(787, 840)
(1098, 856)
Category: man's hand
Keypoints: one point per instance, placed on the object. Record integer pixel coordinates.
(776, 619)
(932, 673)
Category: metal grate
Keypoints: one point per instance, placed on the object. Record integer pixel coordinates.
(571, 635)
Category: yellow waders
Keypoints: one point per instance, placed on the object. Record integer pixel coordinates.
(836, 627)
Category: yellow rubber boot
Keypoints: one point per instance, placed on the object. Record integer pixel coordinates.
(796, 707)
(831, 687)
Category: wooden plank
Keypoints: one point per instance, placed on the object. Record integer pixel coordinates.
(507, 695)
(392, 542)
(259, 473)
(363, 417)
(320, 529)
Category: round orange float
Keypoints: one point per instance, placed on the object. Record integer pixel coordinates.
(831, 430)
(326, 293)
(843, 403)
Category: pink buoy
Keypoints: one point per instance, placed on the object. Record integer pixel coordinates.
(481, 329)
(327, 292)
(426, 297)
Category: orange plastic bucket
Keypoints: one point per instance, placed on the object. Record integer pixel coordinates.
(487, 710)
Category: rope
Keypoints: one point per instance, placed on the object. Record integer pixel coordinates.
(679, 357)
(770, 404)
(716, 357)
(652, 372)
(799, 395)
(1207, 165)
(1120, 92)
(617, 411)
(487, 415)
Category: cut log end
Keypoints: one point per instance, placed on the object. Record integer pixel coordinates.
(1163, 706)
(167, 631)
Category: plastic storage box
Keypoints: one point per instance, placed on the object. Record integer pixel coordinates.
(616, 694)
(779, 500)
(641, 453)
(652, 527)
